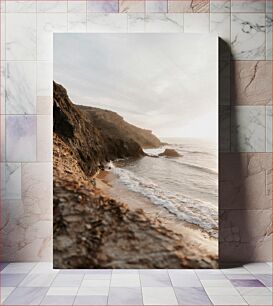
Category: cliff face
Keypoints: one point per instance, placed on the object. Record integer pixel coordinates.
(90, 140)
(116, 126)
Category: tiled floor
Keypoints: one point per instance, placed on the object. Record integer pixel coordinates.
(39, 284)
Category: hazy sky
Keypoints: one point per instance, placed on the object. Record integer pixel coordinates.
(164, 82)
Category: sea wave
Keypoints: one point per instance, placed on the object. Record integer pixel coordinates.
(193, 211)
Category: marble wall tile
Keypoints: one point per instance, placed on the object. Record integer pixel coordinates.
(44, 105)
(58, 6)
(157, 6)
(248, 129)
(106, 23)
(3, 37)
(20, 138)
(220, 25)
(21, 6)
(20, 36)
(100, 6)
(77, 6)
(188, 6)
(136, 23)
(248, 36)
(11, 181)
(44, 138)
(252, 83)
(244, 181)
(268, 128)
(77, 22)
(3, 138)
(224, 82)
(269, 6)
(158, 23)
(196, 23)
(268, 22)
(20, 87)
(47, 24)
(224, 128)
(44, 78)
(220, 6)
(37, 189)
(245, 226)
(248, 6)
(3, 87)
(131, 6)
(3, 6)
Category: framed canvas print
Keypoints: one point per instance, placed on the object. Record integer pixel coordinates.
(135, 151)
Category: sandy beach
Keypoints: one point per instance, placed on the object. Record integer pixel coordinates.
(109, 185)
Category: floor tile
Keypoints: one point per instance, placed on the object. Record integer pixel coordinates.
(58, 300)
(192, 296)
(90, 300)
(67, 280)
(159, 296)
(266, 279)
(221, 291)
(254, 291)
(26, 296)
(3, 265)
(44, 267)
(62, 291)
(216, 283)
(153, 280)
(99, 271)
(5, 292)
(246, 283)
(125, 296)
(38, 280)
(125, 271)
(97, 276)
(86, 291)
(123, 280)
(235, 271)
(96, 283)
(258, 268)
(11, 280)
(185, 280)
(74, 271)
(17, 268)
(258, 299)
(227, 300)
(240, 276)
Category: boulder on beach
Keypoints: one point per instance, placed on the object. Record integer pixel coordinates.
(170, 153)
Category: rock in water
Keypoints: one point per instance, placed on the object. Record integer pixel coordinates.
(170, 153)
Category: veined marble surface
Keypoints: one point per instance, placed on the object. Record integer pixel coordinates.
(268, 128)
(100, 6)
(248, 6)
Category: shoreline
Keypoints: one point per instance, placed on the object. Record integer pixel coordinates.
(109, 186)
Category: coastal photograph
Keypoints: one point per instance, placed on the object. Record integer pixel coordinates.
(135, 151)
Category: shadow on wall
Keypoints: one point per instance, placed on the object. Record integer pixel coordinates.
(240, 234)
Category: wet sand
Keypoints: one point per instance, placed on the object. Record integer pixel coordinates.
(111, 187)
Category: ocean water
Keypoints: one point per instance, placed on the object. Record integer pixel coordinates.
(186, 186)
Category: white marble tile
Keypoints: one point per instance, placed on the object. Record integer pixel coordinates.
(21, 36)
(159, 22)
(239, 270)
(3, 37)
(248, 6)
(37, 189)
(196, 23)
(106, 23)
(89, 291)
(248, 129)
(44, 268)
(67, 280)
(246, 291)
(258, 268)
(216, 283)
(268, 128)
(77, 22)
(78, 6)
(125, 280)
(3, 87)
(155, 6)
(269, 6)
(258, 299)
(38, 280)
(131, 6)
(44, 138)
(220, 6)
(18, 268)
(248, 36)
(159, 296)
(96, 283)
(44, 105)
(268, 22)
(3, 138)
(20, 138)
(227, 300)
(20, 88)
(46, 25)
(21, 6)
(5, 292)
(62, 291)
(220, 25)
(136, 23)
(59, 6)
(3, 6)
(103, 6)
(213, 291)
(12, 174)
(44, 78)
